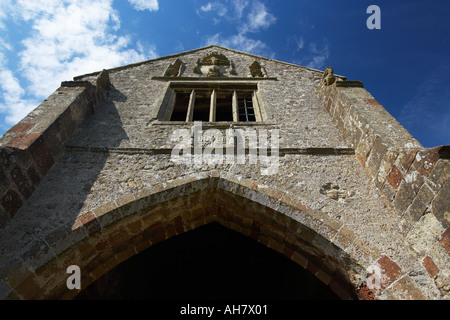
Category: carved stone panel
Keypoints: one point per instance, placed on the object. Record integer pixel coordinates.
(214, 65)
(174, 69)
(257, 71)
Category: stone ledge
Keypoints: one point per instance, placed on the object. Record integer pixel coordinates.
(349, 84)
(282, 151)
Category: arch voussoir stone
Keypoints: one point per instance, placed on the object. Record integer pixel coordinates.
(102, 238)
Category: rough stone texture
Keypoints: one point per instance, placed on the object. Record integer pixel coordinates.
(30, 148)
(87, 179)
(412, 180)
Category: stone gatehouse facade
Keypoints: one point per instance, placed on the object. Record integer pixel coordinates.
(87, 178)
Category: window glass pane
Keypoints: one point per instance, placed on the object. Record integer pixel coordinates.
(180, 108)
(224, 102)
(245, 108)
(202, 106)
(224, 106)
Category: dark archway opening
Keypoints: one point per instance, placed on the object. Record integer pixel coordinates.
(211, 262)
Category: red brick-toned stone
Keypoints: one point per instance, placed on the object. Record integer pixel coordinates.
(406, 159)
(301, 206)
(372, 102)
(11, 203)
(395, 177)
(90, 222)
(21, 128)
(364, 293)
(330, 102)
(41, 155)
(431, 267)
(390, 271)
(445, 240)
(428, 158)
(23, 140)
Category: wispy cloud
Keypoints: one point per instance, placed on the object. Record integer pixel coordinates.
(312, 54)
(216, 7)
(249, 17)
(207, 8)
(14, 104)
(259, 18)
(151, 5)
(427, 115)
(241, 42)
(318, 55)
(295, 42)
(239, 7)
(65, 40)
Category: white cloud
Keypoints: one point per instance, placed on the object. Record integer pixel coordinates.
(66, 40)
(241, 42)
(239, 7)
(151, 5)
(248, 17)
(207, 8)
(300, 43)
(214, 7)
(258, 18)
(72, 40)
(12, 95)
(312, 55)
(318, 56)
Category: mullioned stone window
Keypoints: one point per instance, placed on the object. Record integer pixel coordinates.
(212, 102)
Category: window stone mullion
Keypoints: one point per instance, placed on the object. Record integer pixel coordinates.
(190, 113)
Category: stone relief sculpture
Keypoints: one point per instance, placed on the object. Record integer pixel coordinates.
(257, 71)
(174, 69)
(328, 76)
(214, 65)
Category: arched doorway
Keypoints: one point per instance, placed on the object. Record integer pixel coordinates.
(210, 262)
(107, 236)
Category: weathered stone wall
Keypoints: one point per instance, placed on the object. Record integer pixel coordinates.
(30, 148)
(413, 180)
(113, 191)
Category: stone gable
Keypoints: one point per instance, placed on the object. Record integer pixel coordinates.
(87, 178)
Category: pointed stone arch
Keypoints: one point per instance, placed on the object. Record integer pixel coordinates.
(108, 235)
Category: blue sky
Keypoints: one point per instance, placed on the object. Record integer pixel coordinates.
(405, 64)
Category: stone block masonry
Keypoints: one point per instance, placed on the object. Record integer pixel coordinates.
(30, 148)
(414, 181)
(348, 197)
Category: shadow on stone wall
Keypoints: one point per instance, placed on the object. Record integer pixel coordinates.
(49, 215)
